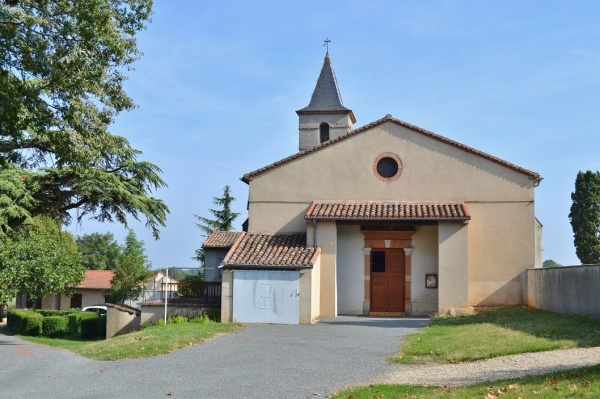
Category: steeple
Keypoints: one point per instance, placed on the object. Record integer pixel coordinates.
(325, 117)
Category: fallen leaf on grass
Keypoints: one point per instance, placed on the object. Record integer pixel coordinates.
(491, 396)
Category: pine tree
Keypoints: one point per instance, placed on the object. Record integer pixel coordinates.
(223, 220)
(224, 217)
(585, 217)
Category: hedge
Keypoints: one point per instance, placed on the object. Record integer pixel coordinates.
(48, 312)
(74, 321)
(55, 326)
(25, 322)
(93, 327)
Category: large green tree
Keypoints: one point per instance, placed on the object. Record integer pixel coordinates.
(223, 219)
(38, 260)
(223, 216)
(132, 271)
(62, 68)
(585, 217)
(99, 251)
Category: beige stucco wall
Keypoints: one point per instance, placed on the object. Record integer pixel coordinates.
(424, 260)
(308, 128)
(227, 296)
(538, 243)
(120, 320)
(432, 171)
(453, 276)
(501, 247)
(350, 270)
(327, 241)
(501, 240)
(310, 286)
(62, 302)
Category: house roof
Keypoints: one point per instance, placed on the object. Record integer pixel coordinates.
(221, 239)
(96, 279)
(271, 251)
(387, 211)
(388, 118)
(326, 97)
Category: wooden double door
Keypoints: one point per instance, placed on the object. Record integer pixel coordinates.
(387, 281)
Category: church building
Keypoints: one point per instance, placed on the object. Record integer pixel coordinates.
(388, 219)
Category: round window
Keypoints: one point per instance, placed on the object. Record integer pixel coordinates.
(387, 167)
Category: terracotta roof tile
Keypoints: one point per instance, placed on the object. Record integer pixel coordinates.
(96, 279)
(260, 250)
(221, 239)
(388, 118)
(388, 210)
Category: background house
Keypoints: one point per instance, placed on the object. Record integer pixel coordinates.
(87, 293)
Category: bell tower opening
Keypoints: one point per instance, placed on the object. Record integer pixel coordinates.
(323, 132)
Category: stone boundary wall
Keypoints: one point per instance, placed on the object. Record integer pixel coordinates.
(121, 319)
(572, 289)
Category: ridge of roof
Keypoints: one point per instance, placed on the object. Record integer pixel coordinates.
(389, 118)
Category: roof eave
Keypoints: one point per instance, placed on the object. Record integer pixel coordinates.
(390, 219)
(264, 267)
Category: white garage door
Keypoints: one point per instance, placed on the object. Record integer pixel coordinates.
(265, 296)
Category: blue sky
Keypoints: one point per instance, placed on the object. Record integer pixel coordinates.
(219, 83)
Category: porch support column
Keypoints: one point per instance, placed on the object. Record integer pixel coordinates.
(327, 241)
(367, 298)
(407, 280)
(453, 281)
(227, 296)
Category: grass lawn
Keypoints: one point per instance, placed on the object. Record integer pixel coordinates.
(497, 332)
(580, 383)
(151, 341)
(491, 333)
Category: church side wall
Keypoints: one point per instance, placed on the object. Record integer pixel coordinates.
(350, 270)
(501, 248)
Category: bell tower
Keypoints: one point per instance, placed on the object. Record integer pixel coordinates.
(325, 118)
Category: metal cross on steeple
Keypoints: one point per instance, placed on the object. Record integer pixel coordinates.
(326, 43)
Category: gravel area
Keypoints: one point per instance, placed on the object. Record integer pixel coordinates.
(499, 368)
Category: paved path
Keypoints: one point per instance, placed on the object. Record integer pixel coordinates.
(499, 368)
(260, 361)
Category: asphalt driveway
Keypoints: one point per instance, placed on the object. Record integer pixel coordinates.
(259, 361)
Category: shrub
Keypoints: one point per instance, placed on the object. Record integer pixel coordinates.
(201, 319)
(177, 319)
(55, 326)
(214, 315)
(48, 312)
(92, 328)
(25, 322)
(74, 321)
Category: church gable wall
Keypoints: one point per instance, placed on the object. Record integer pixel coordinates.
(432, 171)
